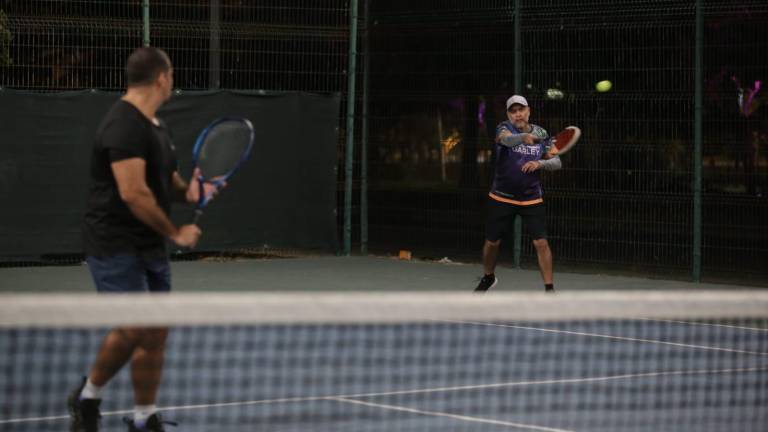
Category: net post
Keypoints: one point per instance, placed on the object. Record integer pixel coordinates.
(214, 52)
(518, 240)
(518, 229)
(145, 25)
(364, 138)
(348, 166)
(698, 143)
(518, 48)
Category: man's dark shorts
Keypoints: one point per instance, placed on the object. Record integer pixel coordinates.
(501, 216)
(130, 273)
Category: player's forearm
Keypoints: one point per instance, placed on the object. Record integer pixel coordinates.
(180, 187)
(511, 140)
(552, 164)
(144, 206)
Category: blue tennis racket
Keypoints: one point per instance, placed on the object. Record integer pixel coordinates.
(220, 150)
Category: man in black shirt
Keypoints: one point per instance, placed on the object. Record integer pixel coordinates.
(134, 178)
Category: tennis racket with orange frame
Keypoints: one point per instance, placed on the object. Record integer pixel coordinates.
(564, 140)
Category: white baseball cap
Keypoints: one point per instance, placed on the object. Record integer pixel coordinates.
(517, 99)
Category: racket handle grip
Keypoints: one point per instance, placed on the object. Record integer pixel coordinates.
(198, 215)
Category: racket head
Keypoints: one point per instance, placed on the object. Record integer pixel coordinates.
(222, 147)
(566, 139)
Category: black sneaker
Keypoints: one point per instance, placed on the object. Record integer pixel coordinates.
(84, 412)
(486, 282)
(154, 424)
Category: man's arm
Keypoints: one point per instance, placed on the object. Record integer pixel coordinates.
(180, 188)
(553, 163)
(129, 175)
(508, 139)
(190, 192)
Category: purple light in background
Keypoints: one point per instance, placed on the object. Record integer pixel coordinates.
(747, 105)
(457, 104)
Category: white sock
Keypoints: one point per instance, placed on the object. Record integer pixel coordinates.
(141, 413)
(91, 390)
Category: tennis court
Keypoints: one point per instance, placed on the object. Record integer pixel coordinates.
(374, 127)
(359, 344)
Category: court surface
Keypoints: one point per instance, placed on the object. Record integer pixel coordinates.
(336, 273)
(617, 375)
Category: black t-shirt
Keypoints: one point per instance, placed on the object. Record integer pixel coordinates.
(109, 227)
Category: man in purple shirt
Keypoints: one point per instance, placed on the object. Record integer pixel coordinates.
(516, 189)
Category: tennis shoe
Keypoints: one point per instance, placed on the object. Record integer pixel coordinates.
(84, 413)
(154, 424)
(486, 282)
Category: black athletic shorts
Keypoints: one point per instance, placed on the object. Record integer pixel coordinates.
(501, 217)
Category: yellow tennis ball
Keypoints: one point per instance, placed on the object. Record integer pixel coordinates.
(603, 86)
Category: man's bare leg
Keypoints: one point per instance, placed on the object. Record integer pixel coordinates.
(147, 365)
(544, 255)
(490, 256)
(114, 353)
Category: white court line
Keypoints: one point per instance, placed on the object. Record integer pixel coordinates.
(706, 324)
(604, 336)
(452, 416)
(558, 381)
(61, 417)
(414, 391)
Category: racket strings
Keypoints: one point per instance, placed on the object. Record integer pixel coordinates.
(223, 149)
(566, 139)
(563, 138)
